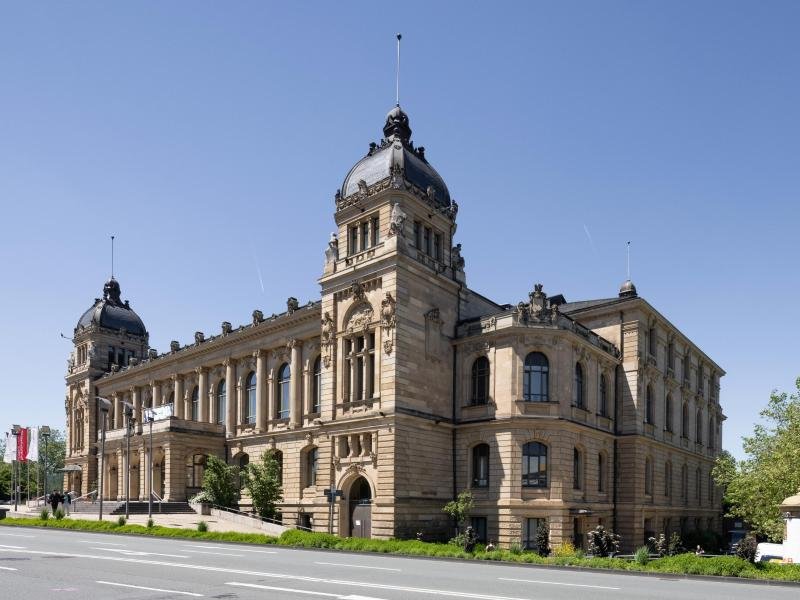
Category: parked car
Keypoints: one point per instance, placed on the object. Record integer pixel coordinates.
(766, 552)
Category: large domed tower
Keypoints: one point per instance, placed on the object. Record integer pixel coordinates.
(108, 337)
(392, 290)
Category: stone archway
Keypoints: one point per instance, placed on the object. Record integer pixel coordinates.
(359, 508)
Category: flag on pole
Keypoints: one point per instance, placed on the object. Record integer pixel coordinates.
(11, 450)
(22, 444)
(33, 444)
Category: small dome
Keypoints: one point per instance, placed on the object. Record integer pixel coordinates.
(627, 290)
(396, 153)
(110, 312)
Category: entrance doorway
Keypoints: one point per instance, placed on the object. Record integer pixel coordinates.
(360, 504)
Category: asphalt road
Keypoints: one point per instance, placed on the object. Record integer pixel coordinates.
(73, 565)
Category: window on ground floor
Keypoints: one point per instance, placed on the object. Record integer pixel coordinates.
(478, 525)
(530, 532)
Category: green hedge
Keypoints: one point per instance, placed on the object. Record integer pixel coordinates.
(684, 564)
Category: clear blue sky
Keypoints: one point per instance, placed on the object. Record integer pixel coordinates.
(210, 138)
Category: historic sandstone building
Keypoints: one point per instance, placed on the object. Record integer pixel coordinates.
(401, 386)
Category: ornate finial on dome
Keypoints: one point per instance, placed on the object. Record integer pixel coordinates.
(111, 292)
(397, 125)
(627, 290)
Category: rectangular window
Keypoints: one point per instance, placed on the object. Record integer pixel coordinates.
(418, 235)
(437, 246)
(653, 341)
(479, 527)
(353, 239)
(376, 232)
(364, 235)
(530, 532)
(427, 241)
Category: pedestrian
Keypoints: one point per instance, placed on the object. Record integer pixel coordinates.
(490, 546)
(67, 503)
(699, 551)
(54, 500)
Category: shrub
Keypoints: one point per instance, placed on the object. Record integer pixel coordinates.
(202, 497)
(59, 514)
(44, 514)
(543, 539)
(121, 520)
(657, 545)
(675, 545)
(219, 482)
(747, 549)
(262, 480)
(150, 523)
(515, 548)
(459, 508)
(202, 526)
(641, 556)
(603, 543)
(563, 550)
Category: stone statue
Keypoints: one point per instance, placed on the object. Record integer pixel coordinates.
(292, 304)
(456, 260)
(397, 220)
(327, 329)
(332, 252)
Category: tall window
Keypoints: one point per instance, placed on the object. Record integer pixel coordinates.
(195, 468)
(364, 235)
(418, 235)
(685, 420)
(376, 232)
(710, 489)
(577, 469)
(534, 465)
(312, 463)
(221, 401)
(359, 354)
(602, 472)
(251, 398)
(437, 247)
(711, 432)
(648, 406)
(353, 239)
(697, 484)
(530, 532)
(668, 479)
(578, 396)
(686, 365)
(671, 355)
(603, 408)
(698, 426)
(653, 339)
(316, 386)
(427, 241)
(536, 378)
(480, 466)
(685, 483)
(480, 380)
(668, 413)
(195, 404)
(478, 525)
(648, 476)
(699, 378)
(284, 395)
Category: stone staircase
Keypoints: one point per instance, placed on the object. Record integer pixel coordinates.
(163, 508)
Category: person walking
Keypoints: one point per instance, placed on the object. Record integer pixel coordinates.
(54, 500)
(67, 503)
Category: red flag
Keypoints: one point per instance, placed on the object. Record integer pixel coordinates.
(22, 444)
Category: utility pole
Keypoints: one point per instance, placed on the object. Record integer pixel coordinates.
(129, 417)
(104, 404)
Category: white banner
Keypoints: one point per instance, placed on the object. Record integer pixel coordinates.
(158, 413)
(33, 444)
(11, 449)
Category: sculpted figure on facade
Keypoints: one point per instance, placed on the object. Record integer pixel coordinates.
(332, 251)
(292, 304)
(397, 220)
(258, 317)
(361, 318)
(327, 338)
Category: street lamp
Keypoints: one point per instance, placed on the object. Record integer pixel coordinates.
(128, 431)
(104, 404)
(15, 464)
(44, 431)
(150, 416)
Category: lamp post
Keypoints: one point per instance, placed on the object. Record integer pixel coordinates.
(15, 465)
(150, 416)
(104, 404)
(44, 431)
(129, 430)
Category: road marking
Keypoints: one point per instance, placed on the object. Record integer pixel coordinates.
(17, 535)
(584, 585)
(296, 591)
(101, 543)
(8, 569)
(355, 566)
(285, 576)
(141, 587)
(217, 553)
(231, 549)
(12, 547)
(139, 553)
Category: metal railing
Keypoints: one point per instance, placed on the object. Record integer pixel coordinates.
(157, 498)
(256, 517)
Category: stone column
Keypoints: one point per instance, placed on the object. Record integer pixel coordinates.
(137, 408)
(143, 466)
(116, 423)
(296, 405)
(121, 474)
(230, 397)
(261, 376)
(155, 388)
(240, 399)
(202, 392)
(272, 410)
(177, 382)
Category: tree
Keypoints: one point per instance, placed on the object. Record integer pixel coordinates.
(755, 487)
(262, 480)
(459, 508)
(219, 482)
(56, 451)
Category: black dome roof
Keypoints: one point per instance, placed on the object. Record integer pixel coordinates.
(110, 312)
(396, 151)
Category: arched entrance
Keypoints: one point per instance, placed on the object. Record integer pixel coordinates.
(360, 508)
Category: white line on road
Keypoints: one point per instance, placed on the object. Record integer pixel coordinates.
(295, 591)
(139, 553)
(17, 535)
(217, 553)
(12, 547)
(141, 587)
(101, 543)
(285, 576)
(7, 569)
(233, 549)
(355, 566)
(584, 585)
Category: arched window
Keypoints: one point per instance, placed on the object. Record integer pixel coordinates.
(668, 479)
(699, 426)
(534, 465)
(685, 420)
(578, 396)
(284, 399)
(668, 413)
(711, 432)
(603, 408)
(697, 484)
(711, 489)
(536, 378)
(602, 472)
(195, 403)
(316, 387)
(577, 469)
(648, 405)
(221, 401)
(480, 466)
(480, 381)
(251, 398)
(685, 483)
(312, 463)
(648, 476)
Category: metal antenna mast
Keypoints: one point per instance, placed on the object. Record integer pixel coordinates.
(399, 37)
(112, 257)
(629, 261)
